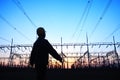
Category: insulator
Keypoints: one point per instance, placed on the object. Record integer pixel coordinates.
(56, 47)
(22, 49)
(118, 46)
(25, 48)
(92, 46)
(67, 46)
(107, 46)
(8, 48)
(74, 46)
(99, 46)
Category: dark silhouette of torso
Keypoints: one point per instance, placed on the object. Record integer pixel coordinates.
(40, 54)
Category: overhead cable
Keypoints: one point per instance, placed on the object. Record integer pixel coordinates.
(101, 17)
(14, 27)
(85, 18)
(83, 14)
(4, 39)
(18, 4)
(117, 28)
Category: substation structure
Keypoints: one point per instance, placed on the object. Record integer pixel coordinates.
(76, 55)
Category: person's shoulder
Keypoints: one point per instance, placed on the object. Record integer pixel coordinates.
(46, 40)
(36, 42)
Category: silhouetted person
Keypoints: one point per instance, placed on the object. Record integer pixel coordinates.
(40, 54)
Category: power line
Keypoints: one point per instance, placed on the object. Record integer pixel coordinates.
(83, 19)
(18, 4)
(101, 17)
(117, 28)
(87, 12)
(4, 39)
(14, 27)
(83, 14)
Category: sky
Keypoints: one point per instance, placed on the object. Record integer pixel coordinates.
(70, 19)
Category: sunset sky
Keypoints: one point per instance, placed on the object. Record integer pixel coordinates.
(69, 19)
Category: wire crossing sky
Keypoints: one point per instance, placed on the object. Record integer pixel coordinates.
(14, 27)
(101, 17)
(69, 19)
(83, 18)
(17, 2)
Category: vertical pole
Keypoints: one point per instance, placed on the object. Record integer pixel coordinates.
(61, 51)
(11, 52)
(88, 51)
(99, 59)
(115, 50)
(67, 62)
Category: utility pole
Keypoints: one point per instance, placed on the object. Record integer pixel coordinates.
(88, 51)
(11, 54)
(61, 51)
(115, 50)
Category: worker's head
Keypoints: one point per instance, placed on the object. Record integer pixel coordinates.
(41, 32)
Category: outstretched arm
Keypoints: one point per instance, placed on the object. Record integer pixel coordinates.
(53, 52)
